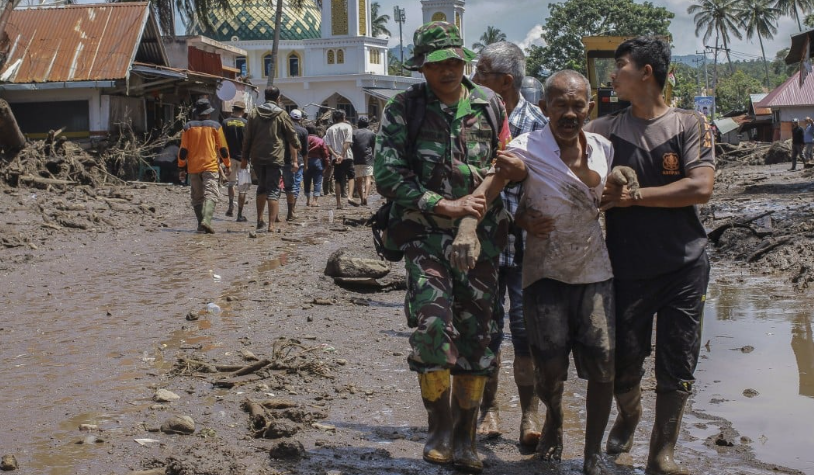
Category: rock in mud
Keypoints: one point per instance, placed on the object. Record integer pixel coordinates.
(342, 265)
(178, 425)
(8, 463)
(287, 450)
(750, 392)
(280, 428)
(163, 395)
(723, 441)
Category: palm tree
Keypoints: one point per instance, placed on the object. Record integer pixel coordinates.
(760, 18)
(492, 35)
(721, 17)
(297, 5)
(378, 22)
(793, 7)
(192, 12)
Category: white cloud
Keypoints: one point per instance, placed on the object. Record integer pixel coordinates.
(533, 37)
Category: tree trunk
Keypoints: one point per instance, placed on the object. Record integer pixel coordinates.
(765, 64)
(11, 138)
(278, 18)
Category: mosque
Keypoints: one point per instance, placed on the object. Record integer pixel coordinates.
(327, 56)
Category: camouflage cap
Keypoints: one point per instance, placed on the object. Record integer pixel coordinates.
(437, 41)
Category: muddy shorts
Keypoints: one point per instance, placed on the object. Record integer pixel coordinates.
(451, 311)
(203, 186)
(268, 181)
(563, 317)
(362, 171)
(678, 300)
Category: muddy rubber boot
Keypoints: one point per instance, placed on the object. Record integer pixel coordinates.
(208, 211)
(231, 209)
(529, 402)
(489, 420)
(199, 214)
(467, 391)
(435, 392)
(629, 404)
(292, 203)
(669, 411)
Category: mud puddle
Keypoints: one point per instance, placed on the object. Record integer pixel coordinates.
(757, 367)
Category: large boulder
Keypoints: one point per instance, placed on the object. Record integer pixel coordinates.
(779, 152)
(342, 265)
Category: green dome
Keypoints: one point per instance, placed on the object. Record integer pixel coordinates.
(254, 20)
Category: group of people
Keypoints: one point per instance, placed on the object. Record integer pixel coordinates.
(492, 194)
(802, 142)
(284, 155)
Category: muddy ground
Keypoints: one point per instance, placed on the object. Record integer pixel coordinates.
(104, 295)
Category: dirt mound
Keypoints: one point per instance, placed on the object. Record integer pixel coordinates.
(752, 153)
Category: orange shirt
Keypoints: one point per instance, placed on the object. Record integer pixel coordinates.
(202, 142)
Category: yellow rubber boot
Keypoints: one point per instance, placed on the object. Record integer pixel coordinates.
(435, 392)
(467, 392)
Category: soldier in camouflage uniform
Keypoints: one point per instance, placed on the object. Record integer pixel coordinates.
(432, 184)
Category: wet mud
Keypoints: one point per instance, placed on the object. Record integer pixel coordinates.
(96, 320)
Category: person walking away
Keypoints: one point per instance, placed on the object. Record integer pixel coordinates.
(203, 146)
(808, 138)
(656, 245)
(797, 143)
(318, 157)
(501, 68)
(364, 140)
(233, 128)
(294, 167)
(430, 178)
(339, 138)
(269, 131)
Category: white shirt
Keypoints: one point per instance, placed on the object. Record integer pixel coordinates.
(574, 252)
(337, 135)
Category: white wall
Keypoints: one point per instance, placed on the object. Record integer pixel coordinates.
(97, 110)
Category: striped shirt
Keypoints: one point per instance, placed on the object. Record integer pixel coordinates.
(526, 117)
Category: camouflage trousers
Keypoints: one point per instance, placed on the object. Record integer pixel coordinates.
(451, 311)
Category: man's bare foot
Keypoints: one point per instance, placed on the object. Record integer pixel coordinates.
(489, 425)
(550, 446)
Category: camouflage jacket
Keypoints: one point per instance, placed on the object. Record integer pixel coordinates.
(453, 151)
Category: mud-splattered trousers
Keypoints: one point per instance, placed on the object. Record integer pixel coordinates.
(451, 311)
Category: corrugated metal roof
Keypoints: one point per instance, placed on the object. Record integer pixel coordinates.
(755, 98)
(790, 93)
(81, 42)
(726, 125)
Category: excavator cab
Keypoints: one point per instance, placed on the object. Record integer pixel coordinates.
(599, 52)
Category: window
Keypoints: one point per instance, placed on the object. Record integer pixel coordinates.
(339, 17)
(458, 19)
(331, 56)
(438, 16)
(294, 65)
(362, 18)
(240, 63)
(340, 56)
(375, 56)
(267, 65)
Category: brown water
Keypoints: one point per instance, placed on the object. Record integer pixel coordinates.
(766, 314)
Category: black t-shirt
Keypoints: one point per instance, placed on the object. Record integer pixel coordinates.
(797, 135)
(364, 141)
(645, 242)
(302, 136)
(233, 129)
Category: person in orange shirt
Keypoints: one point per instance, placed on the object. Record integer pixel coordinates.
(203, 146)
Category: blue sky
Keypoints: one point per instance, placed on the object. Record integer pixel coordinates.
(522, 22)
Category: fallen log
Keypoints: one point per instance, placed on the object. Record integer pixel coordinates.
(715, 234)
(45, 181)
(257, 413)
(248, 369)
(763, 249)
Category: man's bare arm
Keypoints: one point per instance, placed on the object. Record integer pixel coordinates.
(695, 188)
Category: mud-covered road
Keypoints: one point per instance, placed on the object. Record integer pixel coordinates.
(104, 294)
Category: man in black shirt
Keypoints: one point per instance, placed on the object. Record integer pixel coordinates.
(656, 244)
(233, 128)
(797, 143)
(363, 142)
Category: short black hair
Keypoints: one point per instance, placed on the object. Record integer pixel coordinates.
(272, 93)
(311, 129)
(338, 116)
(646, 50)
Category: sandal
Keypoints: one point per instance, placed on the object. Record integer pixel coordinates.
(261, 225)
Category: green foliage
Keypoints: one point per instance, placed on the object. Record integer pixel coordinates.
(570, 20)
(535, 62)
(793, 8)
(491, 35)
(378, 23)
(688, 85)
(733, 91)
(718, 18)
(779, 67)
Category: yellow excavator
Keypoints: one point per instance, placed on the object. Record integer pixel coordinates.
(599, 52)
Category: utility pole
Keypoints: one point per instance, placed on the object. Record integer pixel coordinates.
(706, 76)
(698, 74)
(715, 74)
(400, 18)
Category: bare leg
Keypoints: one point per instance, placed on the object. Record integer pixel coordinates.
(261, 206)
(274, 210)
(550, 446)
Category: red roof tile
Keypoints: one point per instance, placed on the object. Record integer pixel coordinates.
(790, 93)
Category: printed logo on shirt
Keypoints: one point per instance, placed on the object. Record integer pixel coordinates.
(670, 164)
